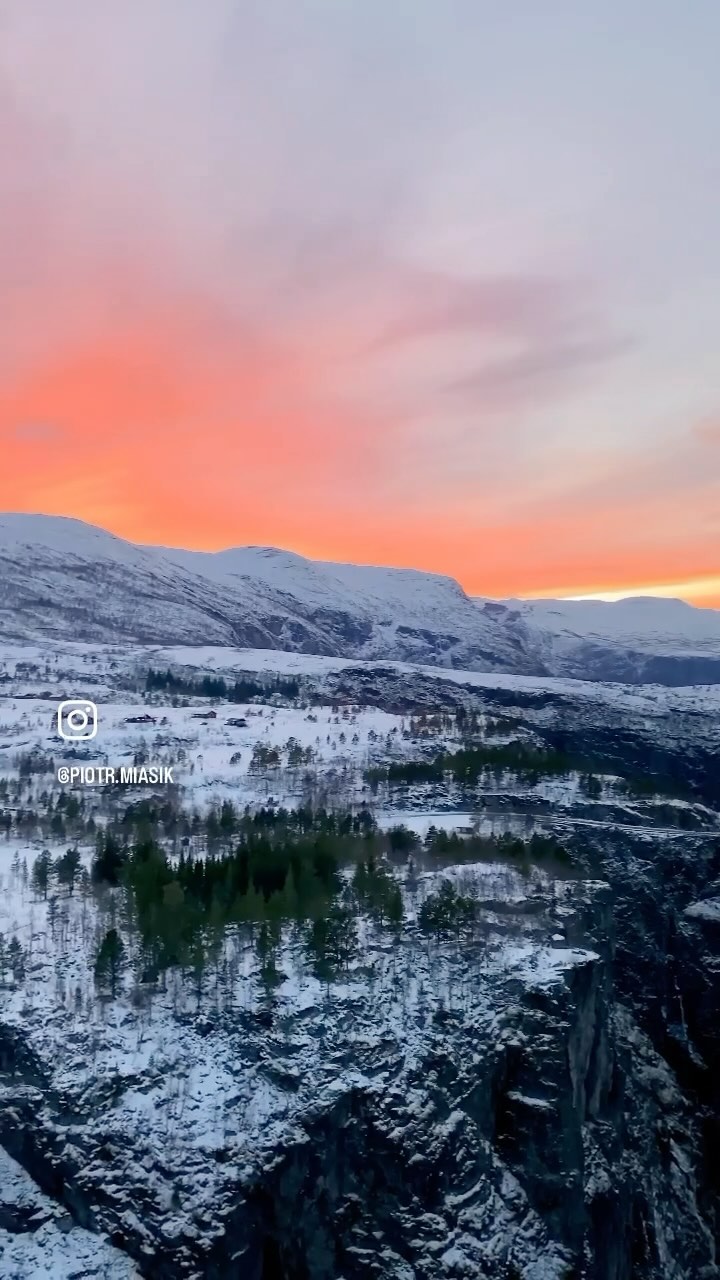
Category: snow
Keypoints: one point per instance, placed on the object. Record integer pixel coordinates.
(488, 881)
(373, 590)
(58, 569)
(172, 1083)
(709, 910)
(648, 623)
(64, 536)
(51, 1247)
(653, 699)
(166, 1092)
(201, 751)
(544, 966)
(168, 1080)
(525, 1100)
(377, 592)
(62, 1255)
(342, 742)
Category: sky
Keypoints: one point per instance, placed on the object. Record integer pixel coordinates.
(432, 283)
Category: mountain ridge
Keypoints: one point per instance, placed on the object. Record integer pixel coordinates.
(67, 579)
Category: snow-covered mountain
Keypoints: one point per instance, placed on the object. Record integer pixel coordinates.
(638, 640)
(65, 579)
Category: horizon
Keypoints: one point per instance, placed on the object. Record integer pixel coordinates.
(609, 597)
(470, 320)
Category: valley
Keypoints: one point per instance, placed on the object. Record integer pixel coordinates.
(410, 973)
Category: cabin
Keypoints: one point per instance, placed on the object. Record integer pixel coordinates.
(204, 715)
(145, 719)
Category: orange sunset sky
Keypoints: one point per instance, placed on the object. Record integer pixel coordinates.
(405, 284)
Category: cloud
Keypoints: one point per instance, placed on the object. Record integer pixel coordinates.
(536, 370)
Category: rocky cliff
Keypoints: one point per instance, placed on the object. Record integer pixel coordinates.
(483, 1106)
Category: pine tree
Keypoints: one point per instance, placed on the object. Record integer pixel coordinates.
(198, 961)
(331, 942)
(67, 867)
(110, 962)
(41, 873)
(16, 960)
(266, 945)
(109, 860)
(57, 825)
(447, 912)
(591, 786)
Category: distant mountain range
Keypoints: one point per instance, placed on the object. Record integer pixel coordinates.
(68, 580)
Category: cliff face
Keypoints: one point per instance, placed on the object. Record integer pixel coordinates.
(475, 1108)
(666, 968)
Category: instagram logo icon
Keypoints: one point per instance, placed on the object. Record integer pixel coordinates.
(77, 720)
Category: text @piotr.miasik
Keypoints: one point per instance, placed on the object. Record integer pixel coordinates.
(100, 775)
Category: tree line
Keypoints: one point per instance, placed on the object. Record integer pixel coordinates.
(525, 760)
(317, 871)
(240, 690)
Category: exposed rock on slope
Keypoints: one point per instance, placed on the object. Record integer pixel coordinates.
(482, 1110)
